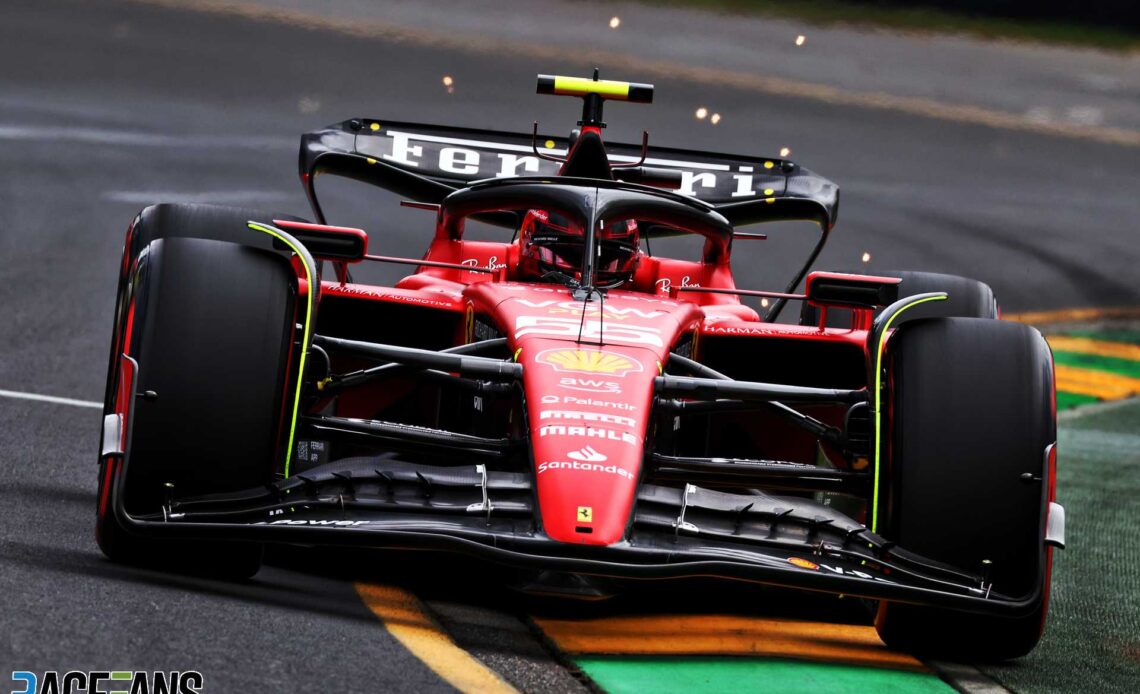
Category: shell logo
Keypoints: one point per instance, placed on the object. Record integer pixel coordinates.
(590, 362)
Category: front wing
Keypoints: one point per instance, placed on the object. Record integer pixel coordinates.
(381, 502)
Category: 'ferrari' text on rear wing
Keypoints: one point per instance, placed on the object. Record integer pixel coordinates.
(428, 162)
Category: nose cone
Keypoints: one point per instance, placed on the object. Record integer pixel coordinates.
(588, 379)
(588, 409)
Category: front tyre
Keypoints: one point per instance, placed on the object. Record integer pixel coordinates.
(211, 326)
(969, 477)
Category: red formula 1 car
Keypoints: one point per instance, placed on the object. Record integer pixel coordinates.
(563, 402)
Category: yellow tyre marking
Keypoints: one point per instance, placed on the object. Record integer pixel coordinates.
(1100, 348)
(879, 393)
(311, 292)
(404, 618)
(676, 635)
(1098, 384)
(614, 60)
(1066, 315)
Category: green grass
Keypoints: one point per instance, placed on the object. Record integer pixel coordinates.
(923, 19)
(1092, 642)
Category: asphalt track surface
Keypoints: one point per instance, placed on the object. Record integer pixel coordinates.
(106, 107)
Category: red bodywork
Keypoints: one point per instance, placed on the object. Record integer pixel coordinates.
(589, 368)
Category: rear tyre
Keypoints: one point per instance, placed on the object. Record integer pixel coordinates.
(211, 329)
(968, 476)
(966, 298)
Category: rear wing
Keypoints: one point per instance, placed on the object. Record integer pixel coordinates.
(426, 163)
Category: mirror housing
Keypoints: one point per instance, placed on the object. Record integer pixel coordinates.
(851, 291)
(325, 242)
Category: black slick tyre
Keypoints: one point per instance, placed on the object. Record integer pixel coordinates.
(211, 327)
(967, 480)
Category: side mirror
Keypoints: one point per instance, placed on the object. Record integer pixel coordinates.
(859, 291)
(325, 242)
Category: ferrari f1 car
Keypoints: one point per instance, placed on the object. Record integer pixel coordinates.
(563, 402)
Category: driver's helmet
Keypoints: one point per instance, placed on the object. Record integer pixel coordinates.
(552, 243)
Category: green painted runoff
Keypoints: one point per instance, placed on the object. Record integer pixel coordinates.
(1124, 367)
(637, 675)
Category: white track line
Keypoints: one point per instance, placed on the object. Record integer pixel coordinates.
(120, 138)
(50, 398)
(220, 197)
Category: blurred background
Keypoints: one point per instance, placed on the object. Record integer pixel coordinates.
(998, 140)
(1008, 160)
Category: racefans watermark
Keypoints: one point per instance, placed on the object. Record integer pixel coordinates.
(108, 682)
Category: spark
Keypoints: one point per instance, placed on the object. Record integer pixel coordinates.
(866, 257)
(702, 112)
(715, 118)
(615, 22)
(308, 105)
(784, 151)
(764, 302)
(449, 83)
(800, 40)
